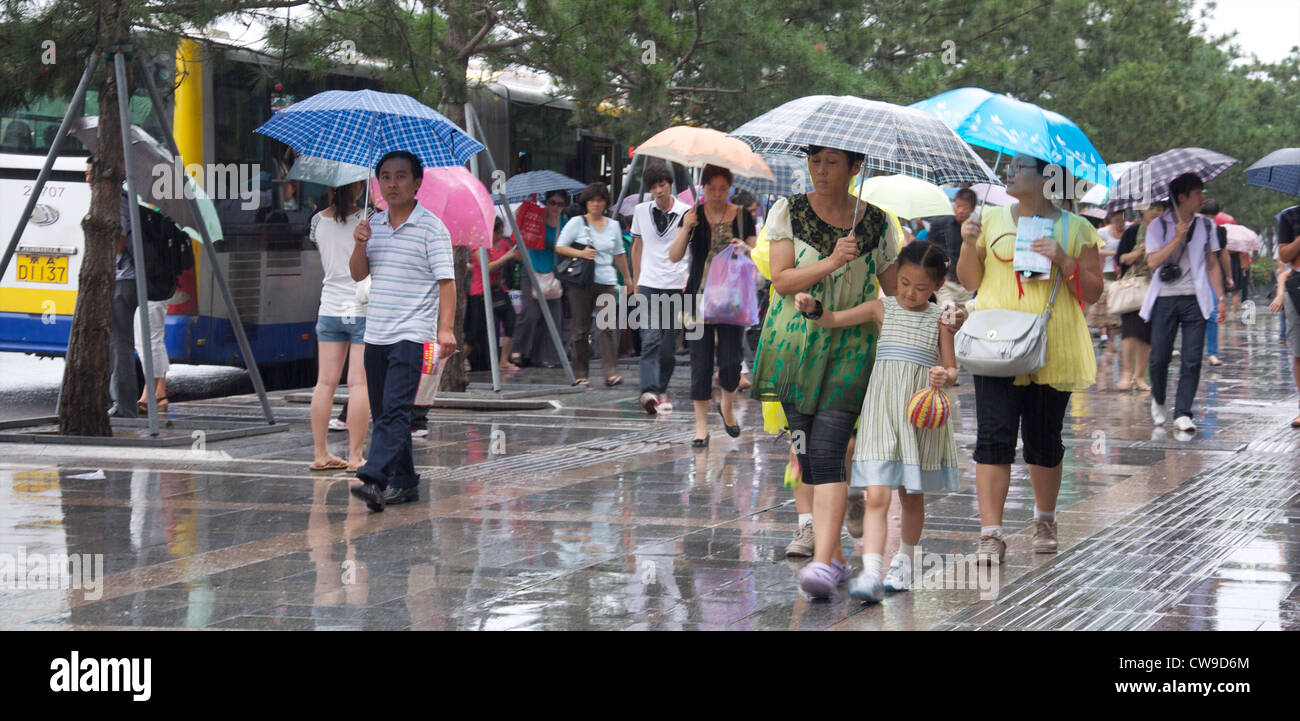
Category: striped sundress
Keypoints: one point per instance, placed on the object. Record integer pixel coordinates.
(890, 451)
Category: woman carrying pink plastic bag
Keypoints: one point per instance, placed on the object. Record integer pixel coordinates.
(718, 233)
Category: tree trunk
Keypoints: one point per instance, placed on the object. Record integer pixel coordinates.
(454, 377)
(84, 398)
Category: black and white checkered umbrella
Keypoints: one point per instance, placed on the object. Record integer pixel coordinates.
(894, 139)
(1148, 181)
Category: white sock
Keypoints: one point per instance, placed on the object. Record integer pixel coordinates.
(991, 531)
(1040, 515)
(871, 562)
(805, 518)
(906, 551)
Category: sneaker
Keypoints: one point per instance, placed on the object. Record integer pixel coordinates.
(802, 545)
(649, 402)
(992, 551)
(1214, 360)
(1157, 413)
(1185, 424)
(337, 425)
(867, 587)
(899, 576)
(857, 508)
(818, 580)
(419, 432)
(1044, 536)
(665, 405)
(842, 571)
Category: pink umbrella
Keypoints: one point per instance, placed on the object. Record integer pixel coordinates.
(685, 195)
(993, 195)
(1224, 219)
(1242, 239)
(458, 199)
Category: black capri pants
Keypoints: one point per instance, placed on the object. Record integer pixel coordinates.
(823, 438)
(726, 340)
(1004, 410)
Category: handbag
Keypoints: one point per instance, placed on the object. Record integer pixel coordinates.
(577, 271)
(1127, 294)
(1003, 343)
(550, 287)
(531, 220)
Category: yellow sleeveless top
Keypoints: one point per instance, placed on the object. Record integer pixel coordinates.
(1071, 363)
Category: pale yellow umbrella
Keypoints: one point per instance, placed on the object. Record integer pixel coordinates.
(905, 196)
(697, 147)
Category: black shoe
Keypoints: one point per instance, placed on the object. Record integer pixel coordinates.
(397, 496)
(372, 494)
(733, 431)
(700, 442)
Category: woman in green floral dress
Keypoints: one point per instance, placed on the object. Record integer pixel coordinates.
(820, 375)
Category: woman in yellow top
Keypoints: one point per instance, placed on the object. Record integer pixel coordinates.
(1031, 405)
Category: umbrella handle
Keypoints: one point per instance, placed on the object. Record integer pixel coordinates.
(989, 189)
(857, 197)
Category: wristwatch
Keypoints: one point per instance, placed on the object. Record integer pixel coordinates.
(816, 313)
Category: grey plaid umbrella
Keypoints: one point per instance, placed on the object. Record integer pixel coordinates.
(1149, 180)
(894, 139)
(519, 187)
(791, 177)
(1279, 170)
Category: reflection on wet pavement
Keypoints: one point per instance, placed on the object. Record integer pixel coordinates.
(594, 516)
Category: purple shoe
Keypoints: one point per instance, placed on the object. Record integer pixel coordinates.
(842, 572)
(818, 580)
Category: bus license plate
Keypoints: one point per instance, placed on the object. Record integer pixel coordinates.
(43, 269)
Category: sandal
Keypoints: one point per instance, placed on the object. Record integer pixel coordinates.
(336, 464)
(354, 469)
(582, 382)
(612, 381)
(143, 406)
(1295, 423)
(1125, 385)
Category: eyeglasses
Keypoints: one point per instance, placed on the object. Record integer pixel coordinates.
(1014, 168)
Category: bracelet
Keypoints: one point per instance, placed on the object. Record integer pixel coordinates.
(816, 313)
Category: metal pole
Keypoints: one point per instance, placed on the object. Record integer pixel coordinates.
(137, 239)
(483, 268)
(528, 262)
(491, 319)
(44, 175)
(236, 325)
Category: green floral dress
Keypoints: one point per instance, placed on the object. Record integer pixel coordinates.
(799, 362)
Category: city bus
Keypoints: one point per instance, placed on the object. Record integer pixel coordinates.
(223, 91)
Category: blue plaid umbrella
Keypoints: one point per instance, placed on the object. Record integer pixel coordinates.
(519, 187)
(1279, 170)
(791, 177)
(360, 126)
(1007, 125)
(894, 139)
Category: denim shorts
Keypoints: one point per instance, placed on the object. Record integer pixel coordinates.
(336, 329)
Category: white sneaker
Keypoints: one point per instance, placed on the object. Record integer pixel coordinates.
(665, 405)
(1185, 424)
(899, 576)
(337, 425)
(1157, 413)
(867, 587)
(419, 432)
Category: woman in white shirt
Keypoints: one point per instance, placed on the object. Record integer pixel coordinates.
(603, 241)
(340, 330)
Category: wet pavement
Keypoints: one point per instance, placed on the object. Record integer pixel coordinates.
(594, 516)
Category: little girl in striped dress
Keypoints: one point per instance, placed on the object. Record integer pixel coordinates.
(914, 352)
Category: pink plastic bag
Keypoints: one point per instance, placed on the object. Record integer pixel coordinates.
(729, 291)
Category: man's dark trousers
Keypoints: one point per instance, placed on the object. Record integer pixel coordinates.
(392, 376)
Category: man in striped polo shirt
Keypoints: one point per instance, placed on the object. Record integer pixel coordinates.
(406, 251)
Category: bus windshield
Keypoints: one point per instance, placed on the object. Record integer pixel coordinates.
(30, 129)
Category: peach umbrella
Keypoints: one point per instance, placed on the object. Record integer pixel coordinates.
(698, 147)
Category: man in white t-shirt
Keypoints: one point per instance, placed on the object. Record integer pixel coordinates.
(658, 283)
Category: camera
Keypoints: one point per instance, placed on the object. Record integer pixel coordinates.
(1170, 272)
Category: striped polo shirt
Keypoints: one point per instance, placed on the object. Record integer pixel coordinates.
(406, 264)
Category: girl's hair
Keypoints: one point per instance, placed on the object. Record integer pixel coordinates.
(927, 255)
(341, 201)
